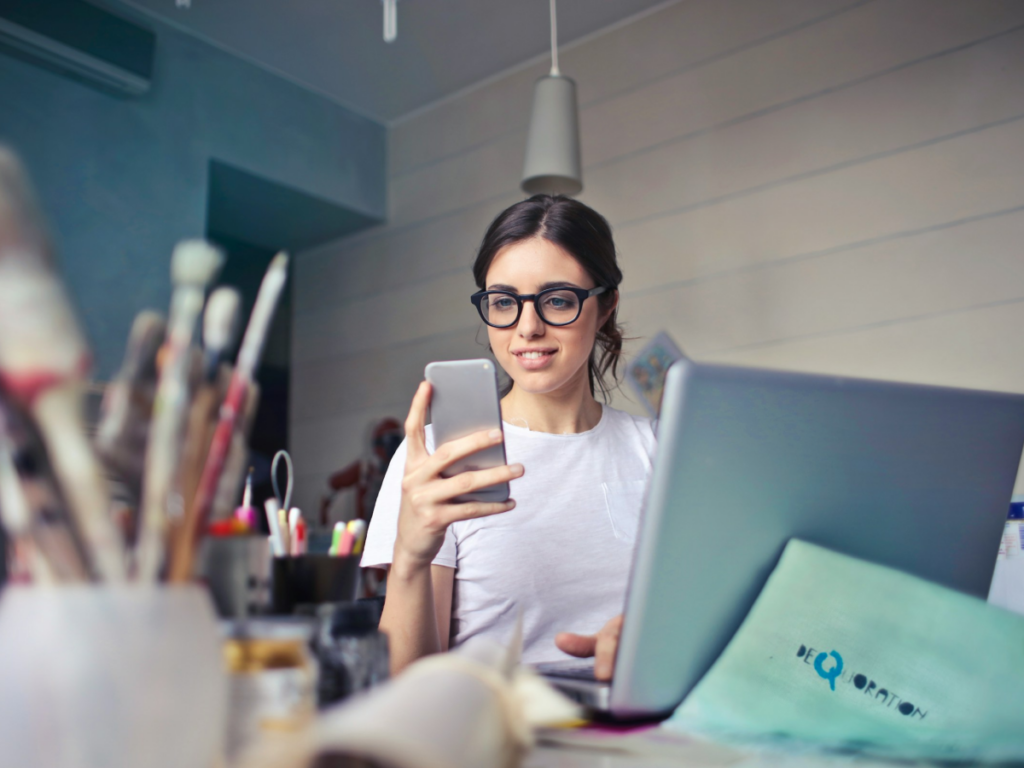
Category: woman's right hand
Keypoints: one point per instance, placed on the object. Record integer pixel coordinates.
(427, 508)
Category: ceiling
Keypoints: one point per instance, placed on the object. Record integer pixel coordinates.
(336, 47)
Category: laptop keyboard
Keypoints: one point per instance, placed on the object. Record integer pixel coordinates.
(573, 670)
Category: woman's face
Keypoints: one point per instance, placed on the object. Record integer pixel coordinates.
(542, 358)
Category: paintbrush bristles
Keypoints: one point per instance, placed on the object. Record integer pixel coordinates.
(21, 221)
(195, 262)
(220, 320)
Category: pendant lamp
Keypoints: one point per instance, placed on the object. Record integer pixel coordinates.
(553, 143)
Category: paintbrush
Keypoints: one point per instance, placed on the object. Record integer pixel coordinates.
(194, 265)
(225, 499)
(31, 509)
(220, 322)
(127, 407)
(43, 363)
(241, 384)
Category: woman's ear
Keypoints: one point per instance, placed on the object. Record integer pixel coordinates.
(608, 312)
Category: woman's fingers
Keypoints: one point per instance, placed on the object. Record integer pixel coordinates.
(442, 491)
(607, 645)
(582, 646)
(456, 450)
(453, 513)
(414, 425)
(601, 646)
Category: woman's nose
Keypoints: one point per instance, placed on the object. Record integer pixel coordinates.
(530, 325)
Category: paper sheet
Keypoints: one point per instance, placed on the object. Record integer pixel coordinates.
(848, 655)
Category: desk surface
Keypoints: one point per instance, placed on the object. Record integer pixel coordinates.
(574, 757)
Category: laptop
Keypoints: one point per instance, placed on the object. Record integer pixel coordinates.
(909, 476)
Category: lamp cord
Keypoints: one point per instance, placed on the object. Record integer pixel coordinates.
(554, 40)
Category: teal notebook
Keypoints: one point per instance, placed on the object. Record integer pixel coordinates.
(844, 654)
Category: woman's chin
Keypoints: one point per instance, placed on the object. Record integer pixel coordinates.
(543, 382)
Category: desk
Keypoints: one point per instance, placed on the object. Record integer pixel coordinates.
(572, 757)
(575, 757)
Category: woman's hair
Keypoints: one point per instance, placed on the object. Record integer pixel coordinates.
(585, 235)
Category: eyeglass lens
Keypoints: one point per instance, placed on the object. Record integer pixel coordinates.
(554, 307)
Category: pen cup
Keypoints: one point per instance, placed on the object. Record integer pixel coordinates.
(237, 570)
(313, 579)
(111, 677)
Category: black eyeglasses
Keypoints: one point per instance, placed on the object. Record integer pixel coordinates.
(555, 306)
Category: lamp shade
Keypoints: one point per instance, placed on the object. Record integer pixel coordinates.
(553, 143)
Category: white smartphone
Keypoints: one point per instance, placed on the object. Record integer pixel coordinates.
(465, 400)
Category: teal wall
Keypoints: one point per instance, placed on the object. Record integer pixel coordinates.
(121, 180)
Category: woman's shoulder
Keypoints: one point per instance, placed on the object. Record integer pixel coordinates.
(625, 419)
(626, 424)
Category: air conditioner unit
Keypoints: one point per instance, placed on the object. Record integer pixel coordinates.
(80, 39)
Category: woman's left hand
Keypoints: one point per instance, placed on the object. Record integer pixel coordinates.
(601, 646)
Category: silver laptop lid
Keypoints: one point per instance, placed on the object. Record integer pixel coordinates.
(914, 477)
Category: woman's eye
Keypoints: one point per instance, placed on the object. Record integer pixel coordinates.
(559, 302)
(503, 303)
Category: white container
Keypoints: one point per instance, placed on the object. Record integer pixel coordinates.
(109, 677)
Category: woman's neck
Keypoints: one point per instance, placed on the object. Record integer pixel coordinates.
(563, 412)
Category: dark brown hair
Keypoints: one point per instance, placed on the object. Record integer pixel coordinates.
(585, 235)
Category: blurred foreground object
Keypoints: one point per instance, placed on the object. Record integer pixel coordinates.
(43, 363)
(110, 677)
(47, 547)
(194, 265)
(353, 653)
(470, 708)
(271, 679)
(123, 429)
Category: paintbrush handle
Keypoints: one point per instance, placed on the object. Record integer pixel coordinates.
(199, 515)
(39, 528)
(170, 410)
(57, 411)
(202, 423)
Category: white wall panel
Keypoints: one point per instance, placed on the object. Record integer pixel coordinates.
(936, 272)
(380, 376)
(811, 62)
(968, 176)
(970, 348)
(414, 312)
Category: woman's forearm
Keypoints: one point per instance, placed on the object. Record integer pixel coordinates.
(409, 618)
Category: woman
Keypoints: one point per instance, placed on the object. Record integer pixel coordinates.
(560, 552)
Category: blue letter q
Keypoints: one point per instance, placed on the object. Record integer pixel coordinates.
(830, 674)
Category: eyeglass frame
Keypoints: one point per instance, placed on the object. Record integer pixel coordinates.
(581, 293)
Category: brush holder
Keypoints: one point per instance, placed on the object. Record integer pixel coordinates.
(237, 571)
(110, 677)
(313, 579)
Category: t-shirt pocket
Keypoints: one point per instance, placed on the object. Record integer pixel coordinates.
(623, 501)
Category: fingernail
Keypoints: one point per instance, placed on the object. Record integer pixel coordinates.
(510, 503)
(517, 469)
(494, 434)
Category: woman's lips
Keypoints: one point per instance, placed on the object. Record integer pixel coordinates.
(534, 360)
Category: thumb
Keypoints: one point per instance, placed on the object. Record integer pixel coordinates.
(576, 645)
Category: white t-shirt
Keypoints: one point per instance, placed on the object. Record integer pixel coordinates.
(563, 553)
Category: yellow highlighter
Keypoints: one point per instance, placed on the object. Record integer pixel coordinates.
(358, 530)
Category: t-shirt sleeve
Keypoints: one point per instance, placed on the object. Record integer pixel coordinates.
(378, 552)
